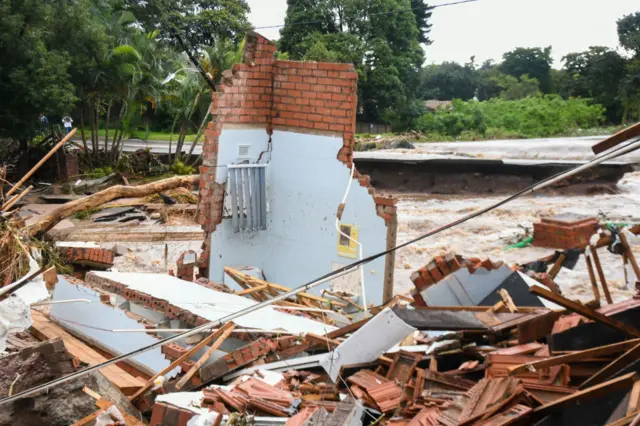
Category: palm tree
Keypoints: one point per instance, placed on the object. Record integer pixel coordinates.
(216, 59)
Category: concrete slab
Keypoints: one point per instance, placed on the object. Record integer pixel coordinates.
(211, 304)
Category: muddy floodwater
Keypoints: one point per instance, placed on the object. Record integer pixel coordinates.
(488, 235)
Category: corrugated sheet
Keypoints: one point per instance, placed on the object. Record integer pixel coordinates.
(247, 190)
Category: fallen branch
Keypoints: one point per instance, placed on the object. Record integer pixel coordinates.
(41, 162)
(102, 197)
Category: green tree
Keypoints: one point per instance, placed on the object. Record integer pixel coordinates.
(595, 73)
(305, 18)
(34, 72)
(380, 37)
(447, 81)
(202, 22)
(535, 62)
(488, 80)
(423, 16)
(629, 37)
(629, 32)
(517, 88)
(630, 91)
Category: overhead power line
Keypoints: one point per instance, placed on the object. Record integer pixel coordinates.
(435, 6)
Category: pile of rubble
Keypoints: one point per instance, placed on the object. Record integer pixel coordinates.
(479, 342)
(328, 363)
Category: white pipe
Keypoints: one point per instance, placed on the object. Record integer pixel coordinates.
(181, 330)
(59, 302)
(344, 201)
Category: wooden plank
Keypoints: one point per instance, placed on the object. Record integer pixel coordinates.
(45, 329)
(390, 259)
(251, 290)
(634, 398)
(521, 309)
(603, 281)
(6, 206)
(557, 266)
(592, 279)
(624, 382)
(347, 329)
(40, 163)
(575, 356)
(584, 311)
(508, 301)
(241, 277)
(617, 138)
(221, 335)
(625, 421)
(629, 253)
(174, 364)
(613, 367)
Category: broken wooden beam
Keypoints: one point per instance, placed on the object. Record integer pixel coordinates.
(617, 138)
(629, 253)
(624, 382)
(575, 356)
(557, 266)
(40, 163)
(584, 311)
(614, 367)
(220, 336)
(6, 206)
(593, 252)
(175, 364)
(592, 278)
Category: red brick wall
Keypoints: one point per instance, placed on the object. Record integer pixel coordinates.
(549, 233)
(307, 97)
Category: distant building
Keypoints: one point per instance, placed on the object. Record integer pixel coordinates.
(432, 105)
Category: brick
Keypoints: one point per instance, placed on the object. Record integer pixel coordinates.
(442, 265)
(158, 414)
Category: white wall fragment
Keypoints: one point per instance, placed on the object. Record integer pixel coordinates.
(372, 340)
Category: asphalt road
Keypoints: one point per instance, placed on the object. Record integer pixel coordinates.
(558, 149)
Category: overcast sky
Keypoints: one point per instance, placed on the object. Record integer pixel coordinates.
(488, 28)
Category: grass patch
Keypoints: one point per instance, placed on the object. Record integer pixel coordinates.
(85, 214)
(153, 136)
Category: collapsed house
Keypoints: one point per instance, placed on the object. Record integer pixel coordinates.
(476, 342)
(276, 190)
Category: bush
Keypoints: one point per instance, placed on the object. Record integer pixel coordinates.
(538, 116)
(180, 168)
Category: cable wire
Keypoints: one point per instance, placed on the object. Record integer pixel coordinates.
(629, 147)
(427, 8)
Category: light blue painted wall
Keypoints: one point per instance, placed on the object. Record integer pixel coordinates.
(305, 185)
(98, 314)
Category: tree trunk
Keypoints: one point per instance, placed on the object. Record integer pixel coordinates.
(24, 156)
(106, 126)
(180, 142)
(173, 127)
(94, 144)
(97, 120)
(199, 134)
(119, 132)
(104, 196)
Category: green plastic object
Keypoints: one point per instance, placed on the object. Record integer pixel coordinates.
(521, 244)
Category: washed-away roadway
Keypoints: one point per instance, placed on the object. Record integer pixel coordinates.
(554, 149)
(488, 235)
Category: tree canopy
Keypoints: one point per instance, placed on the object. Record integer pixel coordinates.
(534, 62)
(382, 38)
(202, 22)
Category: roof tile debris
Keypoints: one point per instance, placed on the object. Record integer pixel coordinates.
(486, 357)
